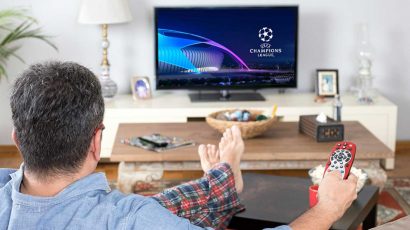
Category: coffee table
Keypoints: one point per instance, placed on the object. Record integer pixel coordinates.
(281, 147)
(277, 200)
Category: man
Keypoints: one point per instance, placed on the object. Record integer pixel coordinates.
(57, 111)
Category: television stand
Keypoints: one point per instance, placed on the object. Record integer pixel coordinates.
(225, 95)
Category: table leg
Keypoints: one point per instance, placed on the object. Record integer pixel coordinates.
(370, 220)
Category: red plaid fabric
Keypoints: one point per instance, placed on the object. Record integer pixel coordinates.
(210, 201)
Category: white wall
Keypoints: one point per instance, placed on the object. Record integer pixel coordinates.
(328, 38)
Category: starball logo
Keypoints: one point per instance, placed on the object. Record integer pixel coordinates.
(265, 34)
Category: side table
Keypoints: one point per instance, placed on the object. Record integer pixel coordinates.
(277, 200)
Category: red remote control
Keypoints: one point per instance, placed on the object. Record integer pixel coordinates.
(341, 158)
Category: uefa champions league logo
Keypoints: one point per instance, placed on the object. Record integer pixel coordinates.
(266, 50)
(265, 34)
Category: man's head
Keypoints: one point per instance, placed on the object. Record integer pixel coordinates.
(57, 108)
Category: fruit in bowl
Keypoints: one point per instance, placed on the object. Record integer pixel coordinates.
(252, 123)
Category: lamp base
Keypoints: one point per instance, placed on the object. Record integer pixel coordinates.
(108, 87)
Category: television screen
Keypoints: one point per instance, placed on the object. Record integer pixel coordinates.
(226, 47)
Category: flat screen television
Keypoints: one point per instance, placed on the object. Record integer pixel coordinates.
(225, 48)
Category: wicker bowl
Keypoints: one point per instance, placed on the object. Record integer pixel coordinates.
(248, 129)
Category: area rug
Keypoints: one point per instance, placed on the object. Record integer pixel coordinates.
(394, 200)
(389, 208)
(402, 186)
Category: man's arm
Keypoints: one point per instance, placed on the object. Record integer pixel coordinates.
(335, 196)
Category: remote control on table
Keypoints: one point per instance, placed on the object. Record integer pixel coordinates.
(341, 158)
(156, 139)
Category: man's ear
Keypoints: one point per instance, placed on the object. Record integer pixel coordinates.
(15, 140)
(14, 137)
(96, 145)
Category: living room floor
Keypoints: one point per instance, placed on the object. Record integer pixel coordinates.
(402, 168)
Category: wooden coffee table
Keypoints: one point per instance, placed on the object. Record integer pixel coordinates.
(276, 200)
(279, 147)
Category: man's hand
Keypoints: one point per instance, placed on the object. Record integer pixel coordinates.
(335, 195)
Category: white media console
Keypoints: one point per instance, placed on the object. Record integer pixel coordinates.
(165, 107)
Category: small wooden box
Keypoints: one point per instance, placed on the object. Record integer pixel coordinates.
(322, 132)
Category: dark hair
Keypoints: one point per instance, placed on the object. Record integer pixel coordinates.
(56, 108)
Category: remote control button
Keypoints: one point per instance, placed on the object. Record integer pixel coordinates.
(345, 144)
(349, 155)
(344, 147)
(338, 144)
(342, 171)
(347, 165)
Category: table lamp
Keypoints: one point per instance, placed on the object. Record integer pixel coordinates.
(104, 12)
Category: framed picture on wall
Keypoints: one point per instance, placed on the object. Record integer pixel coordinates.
(141, 88)
(327, 82)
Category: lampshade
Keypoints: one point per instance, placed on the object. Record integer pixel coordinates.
(104, 12)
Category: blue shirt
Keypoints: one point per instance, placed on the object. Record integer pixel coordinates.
(87, 203)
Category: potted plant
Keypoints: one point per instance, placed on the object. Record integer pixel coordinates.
(15, 26)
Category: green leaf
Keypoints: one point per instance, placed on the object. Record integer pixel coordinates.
(8, 16)
(2, 72)
(26, 28)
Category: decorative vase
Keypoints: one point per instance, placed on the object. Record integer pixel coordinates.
(108, 86)
(365, 91)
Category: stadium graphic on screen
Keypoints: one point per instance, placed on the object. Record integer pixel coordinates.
(189, 53)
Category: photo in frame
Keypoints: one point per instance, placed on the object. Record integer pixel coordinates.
(327, 82)
(140, 87)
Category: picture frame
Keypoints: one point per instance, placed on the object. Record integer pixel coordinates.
(140, 87)
(327, 84)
